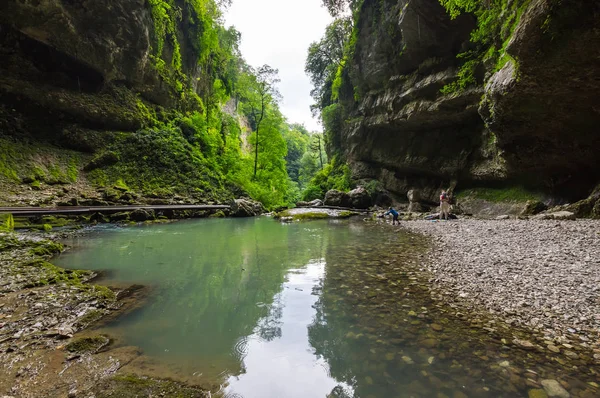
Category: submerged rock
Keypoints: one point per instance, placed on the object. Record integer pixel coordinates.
(554, 389)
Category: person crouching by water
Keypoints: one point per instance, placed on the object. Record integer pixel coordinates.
(444, 205)
(394, 214)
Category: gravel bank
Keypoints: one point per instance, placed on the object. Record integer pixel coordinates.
(540, 274)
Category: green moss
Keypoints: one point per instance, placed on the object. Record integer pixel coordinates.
(36, 185)
(302, 216)
(47, 227)
(120, 185)
(7, 222)
(104, 293)
(218, 214)
(510, 194)
(73, 170)
(90, 317)
(46, 248)
(87, 345)
(347, 214)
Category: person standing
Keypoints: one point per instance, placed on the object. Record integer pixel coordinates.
(394, 214)
(444, 205)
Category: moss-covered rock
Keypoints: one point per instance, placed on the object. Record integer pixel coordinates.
(87, 345)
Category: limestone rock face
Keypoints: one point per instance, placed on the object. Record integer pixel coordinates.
(72, 65)
(531, 122)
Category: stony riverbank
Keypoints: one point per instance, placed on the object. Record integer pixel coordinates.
(43, 311)
(544, 275)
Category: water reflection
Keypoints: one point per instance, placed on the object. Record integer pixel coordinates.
(286, 366)
(303, 310)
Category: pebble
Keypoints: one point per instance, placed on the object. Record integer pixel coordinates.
(553, 348)
(436, 327)
(571, 354)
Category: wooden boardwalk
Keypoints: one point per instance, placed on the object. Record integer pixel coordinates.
(74, 210)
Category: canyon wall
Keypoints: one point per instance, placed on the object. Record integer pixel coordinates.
(527, 113)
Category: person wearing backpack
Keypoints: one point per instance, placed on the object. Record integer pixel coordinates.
(444, 205)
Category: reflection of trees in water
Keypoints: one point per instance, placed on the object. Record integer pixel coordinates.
(226, 286)
(339, 319)
(269, 327)
(330, 325)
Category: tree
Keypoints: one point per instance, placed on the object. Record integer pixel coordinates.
(337, 7)
(297, 139)
(324, 59)
(258, 94)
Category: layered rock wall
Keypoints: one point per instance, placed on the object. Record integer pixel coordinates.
(532, 122)
(72, 65)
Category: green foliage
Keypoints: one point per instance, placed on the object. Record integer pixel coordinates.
(496, 22)
(325, 60)
(466, 77)
(297, 141)
(334, 176)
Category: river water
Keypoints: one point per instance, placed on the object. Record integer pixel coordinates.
(313, 309)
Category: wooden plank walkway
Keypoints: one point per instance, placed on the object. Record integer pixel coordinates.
(74, 210)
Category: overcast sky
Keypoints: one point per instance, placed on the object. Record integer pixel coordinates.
(278, 33)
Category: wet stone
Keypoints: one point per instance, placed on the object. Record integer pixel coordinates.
(537, 393)
(436, 327)
(554, 389)
(553, 348)
(571, 354)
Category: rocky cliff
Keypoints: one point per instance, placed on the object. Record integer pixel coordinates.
(428, 105)
(78, 79)
(85, 64)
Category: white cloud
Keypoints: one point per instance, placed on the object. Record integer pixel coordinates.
(278, 33)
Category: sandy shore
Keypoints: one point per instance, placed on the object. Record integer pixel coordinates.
(541, 274)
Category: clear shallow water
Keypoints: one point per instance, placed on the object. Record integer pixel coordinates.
(313, 309)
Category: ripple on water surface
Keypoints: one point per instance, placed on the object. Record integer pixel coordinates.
(301, 310)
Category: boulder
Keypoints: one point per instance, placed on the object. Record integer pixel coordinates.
(557, 215)
(122, 216)
(337, 198)
(533, 207)
(140, 215)
(245, 207)
(563, 215)
(359, 198)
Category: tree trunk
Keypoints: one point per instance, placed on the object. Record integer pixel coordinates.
(320, 153)
(256, 153)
